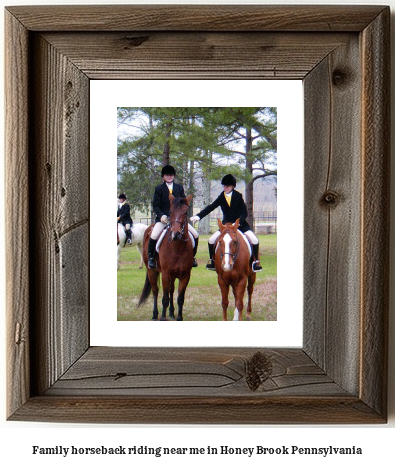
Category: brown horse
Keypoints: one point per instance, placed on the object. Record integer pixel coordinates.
(174, 261)
(233, 266)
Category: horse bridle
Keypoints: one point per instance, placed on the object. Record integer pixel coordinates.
(236, 254)
(182, 225)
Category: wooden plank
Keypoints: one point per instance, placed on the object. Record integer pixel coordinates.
(194, 372)
(375, 212)
(60, 209)
(74, 292)
(332, 202)
(317, 112)
(344, 251)
(196, 17)
(197, 410)
(17, 213)
(165, 388)
(196, 55)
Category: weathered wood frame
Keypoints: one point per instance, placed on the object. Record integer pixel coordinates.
(340, 374)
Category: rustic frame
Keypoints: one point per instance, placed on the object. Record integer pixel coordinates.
(340, 373)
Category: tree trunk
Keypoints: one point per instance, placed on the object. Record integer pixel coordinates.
(166, 149)
(192, 188)
(249, 186)
(204, 224)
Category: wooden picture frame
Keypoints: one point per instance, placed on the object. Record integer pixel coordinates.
(340, 374)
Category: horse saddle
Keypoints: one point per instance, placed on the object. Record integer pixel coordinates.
(248, 243)
(162, 236)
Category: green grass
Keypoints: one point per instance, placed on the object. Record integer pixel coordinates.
(203, 296)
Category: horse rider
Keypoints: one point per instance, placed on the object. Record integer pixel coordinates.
(161, 205)
(123, 217)
(233, 208)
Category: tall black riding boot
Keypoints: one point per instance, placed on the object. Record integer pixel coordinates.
(211, 265)
(194, 265)
(151, 253)
(256, 265)
(128, 235)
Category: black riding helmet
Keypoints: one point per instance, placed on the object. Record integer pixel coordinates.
(229, 180)
(168, 170)
(122, 196)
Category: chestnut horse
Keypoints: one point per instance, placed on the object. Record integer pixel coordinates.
(233, 266)
(174, 260)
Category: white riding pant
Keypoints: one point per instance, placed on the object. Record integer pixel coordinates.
(249, 234)
(127, 226)
(159, 226)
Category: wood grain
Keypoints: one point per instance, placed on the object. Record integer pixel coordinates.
(196, 55)
(332, 208)
(60, 201)
(339, 376)
(187, 372)
(140, 385)
(17, 213)
(196, 18)
(375, 212)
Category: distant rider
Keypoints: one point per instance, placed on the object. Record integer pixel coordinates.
(123, 217)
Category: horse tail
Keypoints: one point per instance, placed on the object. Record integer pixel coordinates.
(146, 291)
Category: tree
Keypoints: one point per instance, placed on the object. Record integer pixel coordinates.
(215, 141)
(251, 135)
(160, 136)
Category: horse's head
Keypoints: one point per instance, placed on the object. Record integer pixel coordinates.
(228, 244)
(179, 217)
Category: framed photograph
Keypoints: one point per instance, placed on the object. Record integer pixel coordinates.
(339, 374)
(224, 98)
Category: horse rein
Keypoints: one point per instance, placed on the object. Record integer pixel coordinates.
(236, 254)
(182, 225)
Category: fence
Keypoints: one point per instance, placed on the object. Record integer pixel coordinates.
(265, 222)
(142, 220)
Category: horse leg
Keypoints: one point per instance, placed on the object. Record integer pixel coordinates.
(250, 290)
(238, 293)
(225, 297)
(153, 279)
(182, 287)
(166, 295)
(171, 308)
(139, 247)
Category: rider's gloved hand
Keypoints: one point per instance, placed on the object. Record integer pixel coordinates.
(164, 219)
(194, 219)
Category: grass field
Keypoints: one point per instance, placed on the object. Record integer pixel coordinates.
(203, 295)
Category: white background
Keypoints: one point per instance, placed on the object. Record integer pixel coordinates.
(16, 439)
(106, 95)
